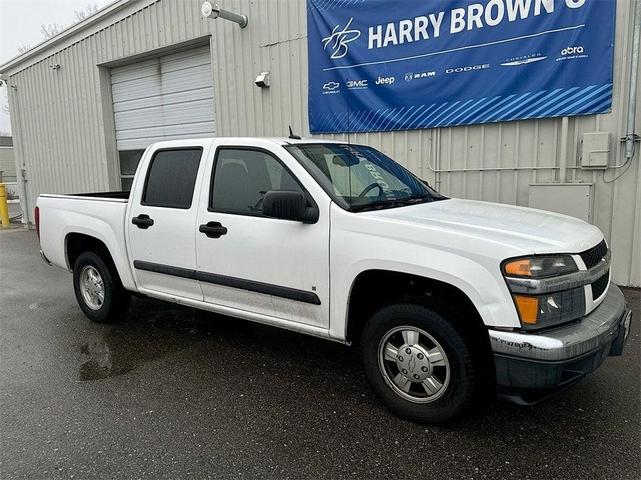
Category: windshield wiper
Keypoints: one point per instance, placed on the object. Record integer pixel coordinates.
(397, 202)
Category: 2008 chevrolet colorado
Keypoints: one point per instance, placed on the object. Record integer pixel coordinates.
(445, 297)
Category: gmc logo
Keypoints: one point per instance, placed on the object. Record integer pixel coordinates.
(357, 84)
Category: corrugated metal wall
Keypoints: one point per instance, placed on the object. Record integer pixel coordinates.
(7, 164)
(65, 137)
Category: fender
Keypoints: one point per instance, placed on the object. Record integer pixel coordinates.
(54, 214)
(491, 299)
(363, 242)
(101, 231)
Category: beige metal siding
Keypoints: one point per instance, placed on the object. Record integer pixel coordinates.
(66, 149)
(7, 164)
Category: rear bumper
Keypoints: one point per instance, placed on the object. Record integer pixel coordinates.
(533, 366)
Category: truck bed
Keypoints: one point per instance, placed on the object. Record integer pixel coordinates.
(97, 215)
(93, 195)
(119, 195)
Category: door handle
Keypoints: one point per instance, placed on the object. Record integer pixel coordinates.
(213, 229)
(142, 221)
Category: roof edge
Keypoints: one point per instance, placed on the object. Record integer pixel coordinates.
(65, 34)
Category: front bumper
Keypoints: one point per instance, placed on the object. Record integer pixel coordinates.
(532, 366)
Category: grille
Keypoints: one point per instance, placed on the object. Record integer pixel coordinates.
(594, 255)
(599, 286)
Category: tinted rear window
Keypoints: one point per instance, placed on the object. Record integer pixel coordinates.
(171, 178)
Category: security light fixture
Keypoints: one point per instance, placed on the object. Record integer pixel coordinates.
(262, 80)
(214, 11)
(55, 66)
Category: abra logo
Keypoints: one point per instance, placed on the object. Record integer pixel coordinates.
(572, 50)
(572, 53)
(469, 68)
(356, 84)
(385, 80)
(415, 76)
(523, 60)
(339, 40)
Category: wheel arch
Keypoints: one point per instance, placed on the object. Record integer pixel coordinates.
(77, 243)
(373, 289)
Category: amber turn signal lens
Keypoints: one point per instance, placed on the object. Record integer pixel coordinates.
(519, 267)
(528, 308)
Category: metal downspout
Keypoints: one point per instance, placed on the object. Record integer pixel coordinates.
(14, 115)
(563, 160)
(630, 136)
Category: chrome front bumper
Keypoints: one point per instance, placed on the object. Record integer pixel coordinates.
(551, 360)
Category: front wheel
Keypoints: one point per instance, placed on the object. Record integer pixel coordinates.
(418, 363)
(98, 289)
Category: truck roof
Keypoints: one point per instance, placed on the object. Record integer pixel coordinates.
(279, 140)
(248, 141)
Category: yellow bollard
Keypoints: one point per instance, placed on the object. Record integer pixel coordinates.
(4, 208)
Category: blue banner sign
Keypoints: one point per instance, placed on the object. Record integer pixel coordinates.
(381, 65)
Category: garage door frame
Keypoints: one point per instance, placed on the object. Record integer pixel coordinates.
(106, 97)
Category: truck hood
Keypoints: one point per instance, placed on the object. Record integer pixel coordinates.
(526, 229)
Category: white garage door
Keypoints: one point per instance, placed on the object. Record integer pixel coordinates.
(164, 98)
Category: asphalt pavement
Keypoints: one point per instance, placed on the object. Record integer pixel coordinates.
(170, 392)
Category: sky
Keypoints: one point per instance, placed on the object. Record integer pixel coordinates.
(20, 22)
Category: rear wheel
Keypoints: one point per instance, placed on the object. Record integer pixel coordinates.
(98, 289)
(418, 363)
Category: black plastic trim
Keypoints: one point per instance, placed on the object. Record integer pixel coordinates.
(121, 195)
(234, 282)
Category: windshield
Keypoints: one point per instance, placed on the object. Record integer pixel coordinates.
(361, 178)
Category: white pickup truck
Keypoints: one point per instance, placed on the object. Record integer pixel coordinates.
(448, 299)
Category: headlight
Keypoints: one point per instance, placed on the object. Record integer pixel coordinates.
(541, 266)
(541, 296)
(539, 311)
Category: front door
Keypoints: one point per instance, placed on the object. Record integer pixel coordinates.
(247, 261)
(162, 222)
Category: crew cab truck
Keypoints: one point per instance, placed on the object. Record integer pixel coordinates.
(448, 299)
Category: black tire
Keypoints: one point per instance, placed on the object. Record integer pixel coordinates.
(116, 298)
(456, 394)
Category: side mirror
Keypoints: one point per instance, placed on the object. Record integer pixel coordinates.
(286, 205)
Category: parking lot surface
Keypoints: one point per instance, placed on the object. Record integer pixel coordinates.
(170, 392)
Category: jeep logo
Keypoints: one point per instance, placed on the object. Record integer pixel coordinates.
(572, 50)
(385, 80)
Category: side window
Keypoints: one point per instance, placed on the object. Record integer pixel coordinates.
(129, 160)
(242, 177)
(171, 178)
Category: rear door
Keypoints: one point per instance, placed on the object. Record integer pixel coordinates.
(162, 220)
(267, 266)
